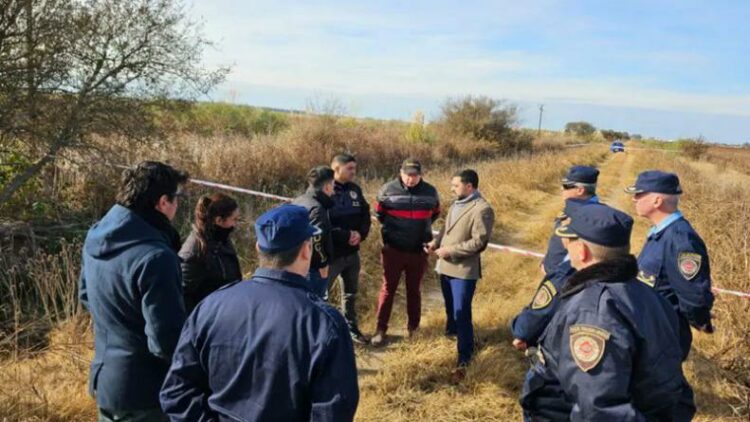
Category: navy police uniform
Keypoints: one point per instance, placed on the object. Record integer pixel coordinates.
(267, 349)
(576, 175)
(530, 323)
(674, 261)
(610, 351)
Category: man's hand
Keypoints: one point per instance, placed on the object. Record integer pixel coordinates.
(324, 272)
(443, 253)
(429, 247)
(354, 238)
(520, 345)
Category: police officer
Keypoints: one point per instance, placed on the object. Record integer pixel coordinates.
(578, 188)
(610, 351)
(267, 349)
(350, 218)
(674, 260)
(530, 323)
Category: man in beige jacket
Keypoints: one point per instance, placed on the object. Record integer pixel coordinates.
(464, 237)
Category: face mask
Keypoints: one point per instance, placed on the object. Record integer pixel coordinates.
(222, 233)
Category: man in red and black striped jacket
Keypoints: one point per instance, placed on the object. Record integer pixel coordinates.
(406, 208)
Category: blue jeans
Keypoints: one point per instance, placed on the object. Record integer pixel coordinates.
(318, 284)
(458, 294)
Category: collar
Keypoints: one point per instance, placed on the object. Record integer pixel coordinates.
(321, 197)
(593, 200)
(409, 189)
(161, 223)
(671, 218)
(611, 271)
(473, 196)
(283, 277)
(339, 185)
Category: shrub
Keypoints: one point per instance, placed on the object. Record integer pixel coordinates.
(484, 119)
(417, 131)
(580, 128)
(611, 135)
(693, 148)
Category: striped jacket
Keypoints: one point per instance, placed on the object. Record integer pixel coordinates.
(406, 214)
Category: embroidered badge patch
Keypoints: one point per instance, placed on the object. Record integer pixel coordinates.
(353, 194)
(587, 344)
(648, 279)
(544, 295)
(689, 264)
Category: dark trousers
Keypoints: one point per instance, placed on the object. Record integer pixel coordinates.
(151, 415)
(348, 268)
(458, 294)
(395, 263)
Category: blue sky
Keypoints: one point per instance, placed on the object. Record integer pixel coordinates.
(660, 68)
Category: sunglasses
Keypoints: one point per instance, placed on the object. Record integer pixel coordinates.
(568, 186)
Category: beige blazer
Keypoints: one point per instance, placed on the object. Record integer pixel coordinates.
(466, 237)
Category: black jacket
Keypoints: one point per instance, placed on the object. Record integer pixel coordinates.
(407, 214)
(204, 273)
(350, 212)
(317, 204)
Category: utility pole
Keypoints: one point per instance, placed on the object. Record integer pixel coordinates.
(541, 110)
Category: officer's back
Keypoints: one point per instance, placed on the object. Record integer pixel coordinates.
(613, 343)
(267, 348)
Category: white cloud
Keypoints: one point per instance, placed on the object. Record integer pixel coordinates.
(430, 49)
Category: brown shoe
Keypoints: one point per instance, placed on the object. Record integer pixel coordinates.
(458, 375)
(378, 339)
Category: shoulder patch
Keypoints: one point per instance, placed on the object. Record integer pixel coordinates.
(587, 343)
(689, 264)
(544, 295)
(648, 279)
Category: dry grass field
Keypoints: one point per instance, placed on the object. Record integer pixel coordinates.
(408, 379)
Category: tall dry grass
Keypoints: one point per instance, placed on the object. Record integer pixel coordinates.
(48, 381)
(408, 380)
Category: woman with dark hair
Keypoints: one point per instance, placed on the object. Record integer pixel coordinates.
(209, 260)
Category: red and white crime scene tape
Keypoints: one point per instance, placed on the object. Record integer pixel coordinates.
(495, 246)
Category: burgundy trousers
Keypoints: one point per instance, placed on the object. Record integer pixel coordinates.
(395, 263)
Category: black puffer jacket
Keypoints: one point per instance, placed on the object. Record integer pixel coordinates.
(317, 204)
(203, 273)
(407, 214)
